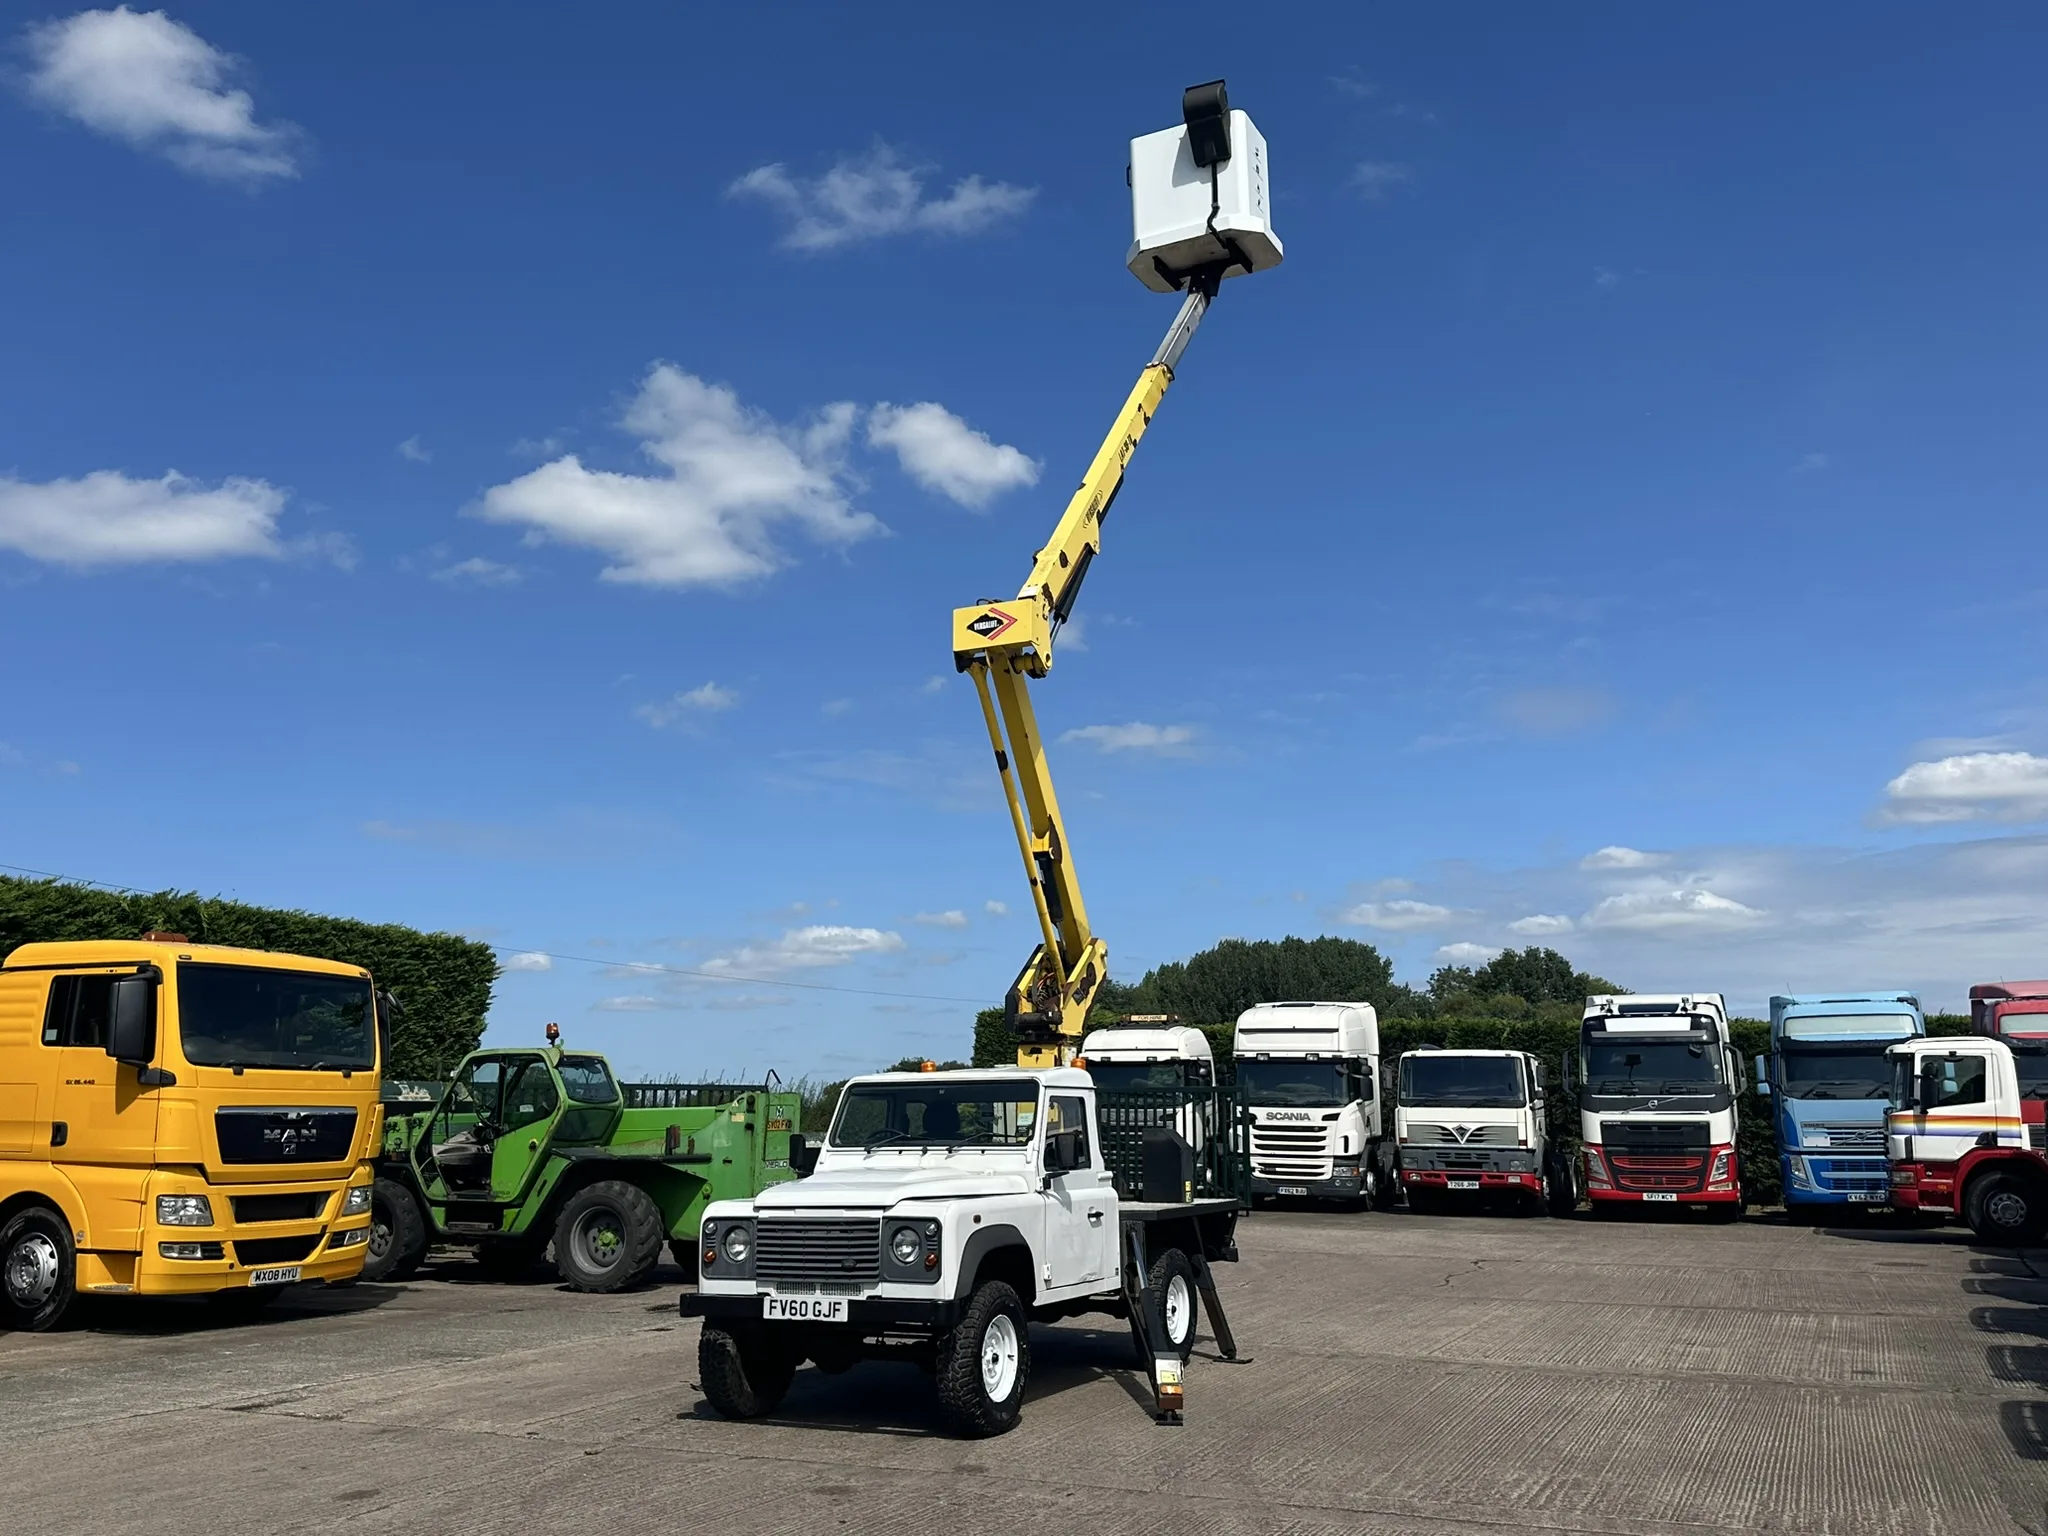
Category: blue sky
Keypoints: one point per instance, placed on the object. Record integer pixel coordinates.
(512, 474)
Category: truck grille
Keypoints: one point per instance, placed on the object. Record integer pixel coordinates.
(1852, 1137)
(819, 1251)
(254, 1208)
(274, 1250)
(285, 1135)
(1464, 1135)
(1675, 1171)
(1291, 1151)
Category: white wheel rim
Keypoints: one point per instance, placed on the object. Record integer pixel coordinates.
(999, 1358)
(1180, 1309)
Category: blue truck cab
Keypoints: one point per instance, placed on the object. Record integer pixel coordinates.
(1829, 1082)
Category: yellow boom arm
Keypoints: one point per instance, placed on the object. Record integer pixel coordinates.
(1004, 643)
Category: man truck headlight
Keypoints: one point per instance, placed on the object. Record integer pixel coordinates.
(737, 1243)
(358, 1201)
(183, 1211)
(350, 1238)
(906, 1245)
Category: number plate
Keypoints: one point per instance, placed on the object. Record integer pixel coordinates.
(1654, 1195)
(1294, 1189)
(804, 1309)
(1462, 1183)
(1868, 1196)
(281, 1274)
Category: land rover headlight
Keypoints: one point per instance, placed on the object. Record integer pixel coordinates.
(357, 1202)
(906, 1244)
(183, 1211)
(737, 1243)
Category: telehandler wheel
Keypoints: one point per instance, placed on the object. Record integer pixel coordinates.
(984, 1363)
(1172, 1287)
(2006, 1208)
(38, 1270)
(744, 1369)
(398, 1233)
(608, 1236)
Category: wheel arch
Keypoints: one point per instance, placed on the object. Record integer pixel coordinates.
(56, 1193)
(999, 1252)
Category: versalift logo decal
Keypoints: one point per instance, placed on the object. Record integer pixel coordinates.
(994, 624)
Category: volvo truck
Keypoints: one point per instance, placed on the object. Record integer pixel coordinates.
(1967, 1132)
(2010, 1010)
(1829, 1081)
(1309, 1076)
(1474, 1124)
(1657, 1078)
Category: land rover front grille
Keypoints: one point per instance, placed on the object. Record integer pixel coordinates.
(819, 1250)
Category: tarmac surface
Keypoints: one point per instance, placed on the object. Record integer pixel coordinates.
(1442, 1375)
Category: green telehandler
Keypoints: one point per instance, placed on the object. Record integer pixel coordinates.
(529, 1147)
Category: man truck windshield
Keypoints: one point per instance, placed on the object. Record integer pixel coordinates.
(1860, 1074)
(1302, 1084)
(1474, 1082)
(1651, 1066)
(252, 1016)
(940, 1113)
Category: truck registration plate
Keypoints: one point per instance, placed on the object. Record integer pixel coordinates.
(804, 1309)
(1659, 1195)
(1868, 1196)
(280, 1274)
(1294, 1189)
(1462, 1183)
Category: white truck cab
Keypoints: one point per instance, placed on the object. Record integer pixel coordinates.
(1469, 1124)
(1657, 1080)
(1145, 1055)
(1309, 1075)
(945, 1213)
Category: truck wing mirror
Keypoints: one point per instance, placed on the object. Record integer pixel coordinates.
(1763, 1077)
(803, 1154)
(389, 1010)
(131, 1019)
(1062, 1151)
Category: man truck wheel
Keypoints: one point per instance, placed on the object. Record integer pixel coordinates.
(1172, 1287)
(38, 1270)
(398, 1234)
(984, 1362)
(608, 1237)
(744, 1370)
(2006, 1208)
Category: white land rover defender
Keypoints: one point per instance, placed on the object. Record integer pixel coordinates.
(946, 1212)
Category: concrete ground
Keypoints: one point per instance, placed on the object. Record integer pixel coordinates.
(1427, 1374)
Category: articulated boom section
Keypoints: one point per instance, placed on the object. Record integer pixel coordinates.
(1003, 645)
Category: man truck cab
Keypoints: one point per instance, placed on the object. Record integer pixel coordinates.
(1309, 1074)
(1828, 1080)
(1657, 1077)
(1966, 1133)
(1469, 1124)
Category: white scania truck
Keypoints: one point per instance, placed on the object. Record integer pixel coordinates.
(1473, 1124)
(1657, 1079)
(1309, 1076)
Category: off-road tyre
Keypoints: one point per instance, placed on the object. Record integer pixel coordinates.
(38, 1270)
(688, 1256)
(745, 1370)
(987, 1353)
(1171, 1285)
(2006, 1208)
(398, 1234)
(608, 1237)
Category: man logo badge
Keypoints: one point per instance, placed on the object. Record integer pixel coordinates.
(290, 1133)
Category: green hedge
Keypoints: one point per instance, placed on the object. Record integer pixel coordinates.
(443, 981)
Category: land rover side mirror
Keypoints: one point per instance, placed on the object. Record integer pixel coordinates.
(1062, 1151)
(131, 1019)
(1763, 1076)
(803, 1154)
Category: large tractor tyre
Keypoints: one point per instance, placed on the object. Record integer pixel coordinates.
(38, 1270)
(398, 1233)
(744, 1369)
(1171, 1285)
(608, 1237)
(2006, 1208)
(984, 1363)
(687, 1255)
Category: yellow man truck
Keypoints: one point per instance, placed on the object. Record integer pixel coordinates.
(181, 1119)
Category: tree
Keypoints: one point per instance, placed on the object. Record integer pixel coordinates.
(1534, 978)
(1217, 984)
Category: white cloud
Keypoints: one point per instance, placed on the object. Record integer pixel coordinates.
(705, 698)
(1615, 856)
(1605, 277)
(1689, 907)
(1373, 179)
(638, 1002)
(745, 1002)
(481, 572)
(874, 196)
(1971, 786)
(1135, 737)
(411, 449)
(154, 83)
(1463, 953)
(996, 908)
(528, 960)
(953, 917)
(1539, 924)
(820, 944)
(935, 684)
(1812, 463)
(944, 455)
(731, 474)
(105, 518)
(1554, 711)
(1404, 916)
(836, 707)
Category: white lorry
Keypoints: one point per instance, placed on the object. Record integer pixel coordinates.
(1469, 1124)
(1657, 1080)
(946, 1212)
(1308, 1073)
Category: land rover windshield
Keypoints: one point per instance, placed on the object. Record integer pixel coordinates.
(255, 1016)
(1462, 1082)
(940, 1112)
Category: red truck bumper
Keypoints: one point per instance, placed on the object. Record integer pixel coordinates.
(1438, 1178)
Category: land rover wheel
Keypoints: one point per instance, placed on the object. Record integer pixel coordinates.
(608, 1237)
(398, 1233)
(984, 1363)
(38, 1270)
(2006, 1208)
(745, 1370)
(1172, 1287)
